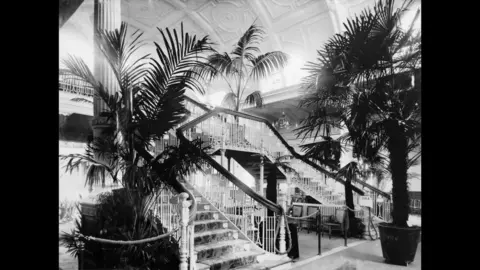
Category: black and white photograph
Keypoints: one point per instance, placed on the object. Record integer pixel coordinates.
(240, 134)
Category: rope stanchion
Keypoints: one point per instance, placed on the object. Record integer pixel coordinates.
(287, 232)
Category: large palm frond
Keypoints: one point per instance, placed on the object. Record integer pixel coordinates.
(117, 50)
(350, 171)
(265, 64)
(230, 100)
(254, 98)
(160, 102)
(326, 152)
(246, 45)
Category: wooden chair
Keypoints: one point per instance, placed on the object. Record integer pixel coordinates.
(335, 222)
(311, 222)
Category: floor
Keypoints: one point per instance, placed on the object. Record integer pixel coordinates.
(361, 257)
(367, 255)
(308, 244)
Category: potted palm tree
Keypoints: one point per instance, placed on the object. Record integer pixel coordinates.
(365, 81)
(148, 104)
(243, 66)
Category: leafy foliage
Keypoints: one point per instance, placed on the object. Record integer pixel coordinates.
(243, 65)
(362, 82)
(145, 103)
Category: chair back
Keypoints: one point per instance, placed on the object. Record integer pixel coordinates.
(297, 211)
(339, 215)
(312, 209)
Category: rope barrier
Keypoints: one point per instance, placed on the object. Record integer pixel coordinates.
(132, 242)
(315, 213)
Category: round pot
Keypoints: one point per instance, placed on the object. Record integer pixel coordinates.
(399, 245)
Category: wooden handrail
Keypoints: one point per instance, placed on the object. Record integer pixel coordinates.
(232, 178)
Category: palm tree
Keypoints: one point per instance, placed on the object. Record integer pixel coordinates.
(147, 105)
(244, 65)
(362, 82)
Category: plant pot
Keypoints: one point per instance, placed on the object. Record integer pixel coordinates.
(399, 245)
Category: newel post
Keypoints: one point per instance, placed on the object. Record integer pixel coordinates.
(184, 212)
(282, 200)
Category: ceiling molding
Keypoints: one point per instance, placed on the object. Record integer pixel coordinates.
(195, 17)
(265, 18)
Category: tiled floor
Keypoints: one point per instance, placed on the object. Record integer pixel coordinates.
(361, 257)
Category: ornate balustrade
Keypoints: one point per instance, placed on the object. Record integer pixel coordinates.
(222, 129)
(248, 215)
(71, 85)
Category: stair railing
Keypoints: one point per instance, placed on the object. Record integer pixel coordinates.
(248, 215)
(248, 133)
(240, 201)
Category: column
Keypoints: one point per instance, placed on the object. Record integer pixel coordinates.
(260, 180)
(223, 161)
(107, 16)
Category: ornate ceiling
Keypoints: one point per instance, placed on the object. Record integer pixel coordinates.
(297, 27)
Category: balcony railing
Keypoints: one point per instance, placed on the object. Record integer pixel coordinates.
(72, 85)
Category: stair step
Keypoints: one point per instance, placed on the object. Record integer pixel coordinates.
(233, 260)
(272, 262)
(206, 215)
(201, 206)
(201, 266)
(220, 249)
(208, 225)
(215, 236)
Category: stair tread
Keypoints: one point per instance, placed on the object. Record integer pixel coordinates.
(207, 211)
(266, 264)
(231, 256)
(201, 266)
(218, 231)
(196, 222)
(221, 244)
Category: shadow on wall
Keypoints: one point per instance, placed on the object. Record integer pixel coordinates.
(75, 127)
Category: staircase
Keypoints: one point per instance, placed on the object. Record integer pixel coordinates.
(249, 140)
(219, 244)
(253, 136)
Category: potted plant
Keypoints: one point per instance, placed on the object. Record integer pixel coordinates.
(147, 105)
(366, 82)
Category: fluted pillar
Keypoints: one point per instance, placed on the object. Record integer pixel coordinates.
(107, 16)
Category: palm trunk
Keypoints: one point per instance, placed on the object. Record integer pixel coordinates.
(397, 148)
(349, 202)
(271, 190)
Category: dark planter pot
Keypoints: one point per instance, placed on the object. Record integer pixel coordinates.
(399, 245)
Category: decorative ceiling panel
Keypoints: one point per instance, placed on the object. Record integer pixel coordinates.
(278, 8)
(229, 19)
(189, 26)
(147, 12)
